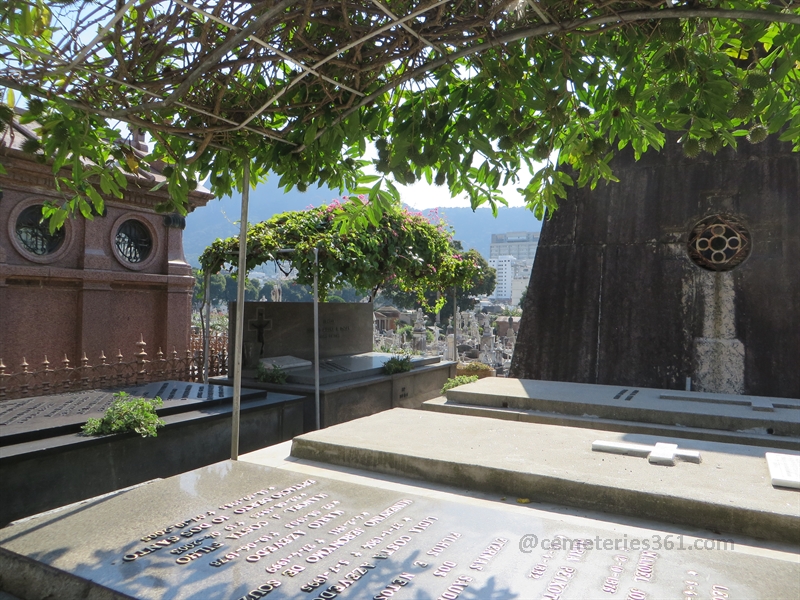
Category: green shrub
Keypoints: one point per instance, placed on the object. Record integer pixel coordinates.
(127, 414)
(273, 375)
(405, 330)
(457, 381)
(474, 367)
(397, 364)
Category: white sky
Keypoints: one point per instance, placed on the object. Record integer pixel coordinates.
(422, 196)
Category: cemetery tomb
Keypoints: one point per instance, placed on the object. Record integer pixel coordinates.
(45, 462)
(268, 527)
(722, 487)
(349, 368)
(47, 416)
(721, 417)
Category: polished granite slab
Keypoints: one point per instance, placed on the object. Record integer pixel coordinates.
(292, 530)
(39, 417)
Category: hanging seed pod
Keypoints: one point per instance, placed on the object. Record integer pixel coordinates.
(691, 147)
(757, 134)
(677, 90)
(757, 80)
(741, 110)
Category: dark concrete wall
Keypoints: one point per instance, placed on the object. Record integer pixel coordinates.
(615, 299)
(45, 474)
(348, 400)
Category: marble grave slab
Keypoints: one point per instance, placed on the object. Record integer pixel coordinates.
(240, 530)
(346, 368)
(784, 469)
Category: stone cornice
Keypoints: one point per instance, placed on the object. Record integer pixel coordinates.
(88, 277)
(24, 173)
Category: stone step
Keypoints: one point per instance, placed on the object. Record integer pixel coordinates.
(753, 438)
(730, 491)
(725, 412)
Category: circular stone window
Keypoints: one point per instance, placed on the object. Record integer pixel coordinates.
(719, 243)
(133, 241)
(33, 234)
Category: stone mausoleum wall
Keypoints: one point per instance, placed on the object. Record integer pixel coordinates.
(615, 298)
(85, 297)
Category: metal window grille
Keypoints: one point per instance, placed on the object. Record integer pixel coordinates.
(134, 241)
(34, 233)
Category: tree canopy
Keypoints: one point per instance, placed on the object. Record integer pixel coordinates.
(402, 247)
(465, 93)
(482, 283)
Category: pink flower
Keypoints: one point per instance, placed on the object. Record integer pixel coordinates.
(364, 199)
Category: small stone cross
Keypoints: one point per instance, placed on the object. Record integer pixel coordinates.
(660, 454)
(260, 324)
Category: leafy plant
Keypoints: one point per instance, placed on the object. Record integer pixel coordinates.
(271, 375)
(457, 381)
(127, 414)
(405, 330)
(397, 364)
(505, 96)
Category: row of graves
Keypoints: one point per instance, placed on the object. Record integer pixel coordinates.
(504, 488)
(45, 461)
(471, 334)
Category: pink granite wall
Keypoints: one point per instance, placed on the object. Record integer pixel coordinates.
(85, 297)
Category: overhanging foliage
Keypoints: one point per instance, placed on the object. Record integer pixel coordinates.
(403, 248)
(468, 94)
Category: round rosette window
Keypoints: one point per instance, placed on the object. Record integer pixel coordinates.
(719, 243)
(33, 234)
(133, 241)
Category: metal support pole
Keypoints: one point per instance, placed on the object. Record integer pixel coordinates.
(241, 276)
(455, 324)
(206, 324)
(316, 334)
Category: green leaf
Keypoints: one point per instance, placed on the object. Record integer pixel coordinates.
(310, 134)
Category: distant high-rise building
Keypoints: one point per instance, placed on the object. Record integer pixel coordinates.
(504, 265)
(519, 244)
(512, 255)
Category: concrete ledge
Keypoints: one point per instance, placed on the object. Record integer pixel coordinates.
(729, 492)
(443, 405)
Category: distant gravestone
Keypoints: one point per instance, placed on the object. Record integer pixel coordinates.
(274, 329)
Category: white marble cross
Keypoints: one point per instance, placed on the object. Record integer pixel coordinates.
(660, 454)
